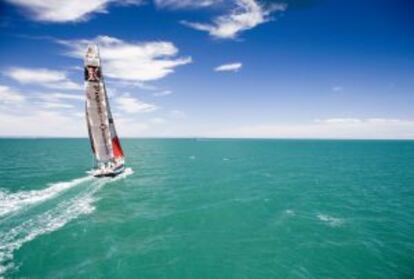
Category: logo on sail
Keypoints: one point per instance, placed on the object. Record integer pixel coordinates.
(92, 73)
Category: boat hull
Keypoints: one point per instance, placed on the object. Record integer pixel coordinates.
(108, 172)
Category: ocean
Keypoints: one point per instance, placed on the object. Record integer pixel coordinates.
(208, 208)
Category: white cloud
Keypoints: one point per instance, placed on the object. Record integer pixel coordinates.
(55, 105)
(51, 117)
(129, 127)
(232, 67)
(128, 83)
(339, 120)
(185, 4)
(9, 96)
(53, 123)
(43, 77)
(35, 75)
(66, 11)
(30, 115)
(132, 61)
(344, 128)
(50, 114)
(40, 123)
(58, 96)
(162, 93)
(246, 15)
(132, 105)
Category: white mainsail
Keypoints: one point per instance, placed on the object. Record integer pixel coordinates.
(102, 134)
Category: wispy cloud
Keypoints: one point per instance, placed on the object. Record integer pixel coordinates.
(162, 93)
(246, 15)
(55, 105)
(59, 96)
(129, 127)
(340, 121)
(40, 123)
(185, 4)
(128, 83)
(43, 77)
(19, 103)
(232, 67)
(140, 61)
(28, 115)
(9, 96)
(59, 114)
(344, 128)
(66, 11)
(132, 105)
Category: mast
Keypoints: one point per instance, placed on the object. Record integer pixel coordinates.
(102, 134)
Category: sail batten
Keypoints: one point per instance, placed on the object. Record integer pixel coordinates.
(101, 128)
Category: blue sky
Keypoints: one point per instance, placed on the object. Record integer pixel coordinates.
(213, 68)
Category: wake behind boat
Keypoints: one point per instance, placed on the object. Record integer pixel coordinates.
(107, 150)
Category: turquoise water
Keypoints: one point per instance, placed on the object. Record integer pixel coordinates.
(209, 209)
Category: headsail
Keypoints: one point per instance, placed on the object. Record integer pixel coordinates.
(104, 140)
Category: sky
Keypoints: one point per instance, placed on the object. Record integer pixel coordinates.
(212, 68)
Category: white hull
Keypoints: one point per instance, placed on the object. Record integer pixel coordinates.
(109, 171)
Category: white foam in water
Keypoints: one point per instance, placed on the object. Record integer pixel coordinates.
(125, 173)
(49, 221)
(290, 212)
(52, 219)
(331, 221)
(10, 202)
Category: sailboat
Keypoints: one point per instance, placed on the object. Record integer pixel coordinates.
(106, 147)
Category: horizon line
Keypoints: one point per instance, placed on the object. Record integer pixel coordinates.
(215, 138)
